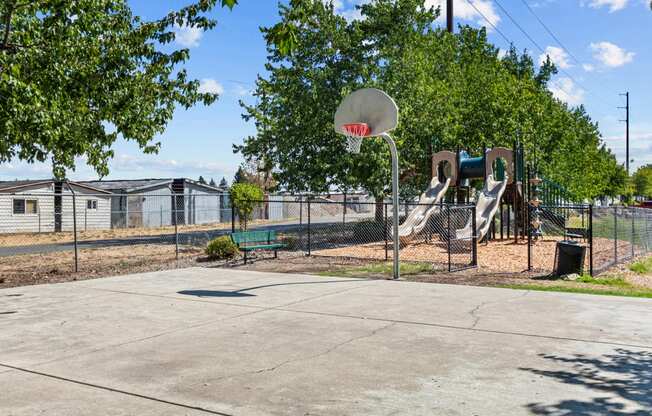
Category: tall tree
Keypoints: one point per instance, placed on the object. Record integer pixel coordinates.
(453, 92)
(201, 180)
(223, 183)
(77, 75)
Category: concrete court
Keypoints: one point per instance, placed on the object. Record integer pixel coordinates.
(216, 341)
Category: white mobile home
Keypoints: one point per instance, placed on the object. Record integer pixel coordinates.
(47, 206)
(156, 202)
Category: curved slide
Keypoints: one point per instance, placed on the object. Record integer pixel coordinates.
(485, 209)
(418, 218)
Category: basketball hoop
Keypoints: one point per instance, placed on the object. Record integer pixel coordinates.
(355, 132)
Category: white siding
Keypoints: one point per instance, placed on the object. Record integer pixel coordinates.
(155, 208)
(93, 219)
(43, 221)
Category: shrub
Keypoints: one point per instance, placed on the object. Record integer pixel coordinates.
(292, 243)
(367, 231)
(221, 248)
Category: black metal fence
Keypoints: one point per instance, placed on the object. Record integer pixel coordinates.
(611, 235)
(363, 230)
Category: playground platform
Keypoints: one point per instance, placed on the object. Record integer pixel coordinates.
(223, 342)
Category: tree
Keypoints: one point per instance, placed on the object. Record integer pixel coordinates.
(642, 181)
(212, 182)
(201, 180)
(245, 197)
(240, 176)
(77, 75)
(453, 91)
(223, 183)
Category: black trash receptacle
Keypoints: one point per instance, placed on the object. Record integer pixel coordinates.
(569, 258)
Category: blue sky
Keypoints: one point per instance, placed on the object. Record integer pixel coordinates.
(607, 52)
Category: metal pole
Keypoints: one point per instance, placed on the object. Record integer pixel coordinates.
(448, 232)
(474, 236)
(176, 228)
(449, 16)
(615, 234)
(633, 230)
(395, 206)
(74, 224)
(386, 231)
(232, 215)
(590, 239)
(309, 242)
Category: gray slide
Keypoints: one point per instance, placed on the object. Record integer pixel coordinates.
(485, 208)
(418, 218)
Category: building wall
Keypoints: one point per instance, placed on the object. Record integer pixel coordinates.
(87, 219)
(43, 221)
(151, 208)
(202, 206)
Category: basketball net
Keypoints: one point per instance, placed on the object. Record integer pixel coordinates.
(355, 132)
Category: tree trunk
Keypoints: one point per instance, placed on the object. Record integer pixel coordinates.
(380, 209)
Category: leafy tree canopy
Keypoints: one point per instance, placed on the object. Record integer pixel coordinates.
(453, 92)
(77, 75)
(245, 197)
(642, 180)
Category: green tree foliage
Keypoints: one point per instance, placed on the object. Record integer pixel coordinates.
(223, 183)
(245, 197)
(240, 176)
(77, 75)
(201, 180)
(453, 92)
(642, 181)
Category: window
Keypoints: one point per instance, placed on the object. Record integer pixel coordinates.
(91, 204)
(25, 206)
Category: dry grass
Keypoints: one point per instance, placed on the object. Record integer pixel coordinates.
(59, 267)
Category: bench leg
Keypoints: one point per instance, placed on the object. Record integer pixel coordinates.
(275, 254)
(245, 257)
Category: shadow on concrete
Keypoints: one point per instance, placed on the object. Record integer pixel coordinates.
(214, 294)
(241, 292)
(624, 375)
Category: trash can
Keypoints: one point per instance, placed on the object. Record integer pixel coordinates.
(569, 257)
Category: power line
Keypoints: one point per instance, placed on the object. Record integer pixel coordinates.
(536, 44)
(490, 22)
(550, 32)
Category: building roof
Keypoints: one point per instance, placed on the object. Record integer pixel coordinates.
(9, 186)
(132, 185)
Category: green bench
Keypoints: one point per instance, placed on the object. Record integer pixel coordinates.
(256, 240)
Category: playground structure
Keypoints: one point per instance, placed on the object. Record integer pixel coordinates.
(468, 200)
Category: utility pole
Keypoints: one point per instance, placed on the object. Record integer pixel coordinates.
(449, 16)
(626, 121)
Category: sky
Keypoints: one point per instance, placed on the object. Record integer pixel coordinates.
(601, 47)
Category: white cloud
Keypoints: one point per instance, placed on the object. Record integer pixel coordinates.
(241, 90)
(588, 67)
(188, 36)
(463, 9)
(565, 90)
(613, 5)
(209, 85)
(557, 55)
(611, 55)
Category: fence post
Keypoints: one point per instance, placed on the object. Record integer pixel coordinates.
(590, 239)
(474, 237)
(309, 242)
(615, 234)
(74, 224)
(448, 232)
(301, 210)
(232, 217)
(385, 232)
(176, 228)
(527, 227)
(633, 210)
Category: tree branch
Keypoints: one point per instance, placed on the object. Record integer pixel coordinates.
(10, 12)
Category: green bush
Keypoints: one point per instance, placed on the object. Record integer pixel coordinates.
(292, 243)
(221, 248)
(245, 197)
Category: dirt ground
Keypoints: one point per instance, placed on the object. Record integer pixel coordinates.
(57, 267)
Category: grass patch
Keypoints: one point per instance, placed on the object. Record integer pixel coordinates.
(606, 281)
(631, 291)
(642, 266)
(379, 269)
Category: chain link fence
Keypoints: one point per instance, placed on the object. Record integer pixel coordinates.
(363, 230)
(619, 234)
